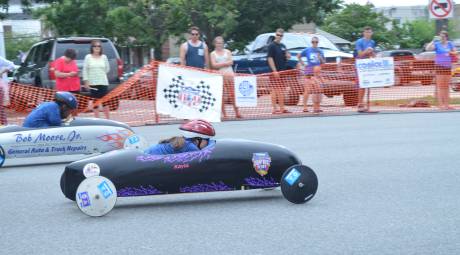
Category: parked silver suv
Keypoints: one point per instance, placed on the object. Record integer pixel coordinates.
(37, 68)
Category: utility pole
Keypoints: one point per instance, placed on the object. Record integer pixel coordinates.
(441, 24)
(2, 41)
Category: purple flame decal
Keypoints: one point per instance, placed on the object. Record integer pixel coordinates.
(220, 186)
(140, 191)
(261, 182)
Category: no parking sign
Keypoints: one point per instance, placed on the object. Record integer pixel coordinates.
(441, 9)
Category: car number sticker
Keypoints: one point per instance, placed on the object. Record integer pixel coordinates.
(105, 189)
(84, 198)
(134, 139)
(292, 177)
(91, 169)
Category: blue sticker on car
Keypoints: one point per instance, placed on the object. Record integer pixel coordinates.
(105, 189)
(133, 139)
(292, 177)
(84, 198)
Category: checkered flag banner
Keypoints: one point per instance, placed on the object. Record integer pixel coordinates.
(185, 93)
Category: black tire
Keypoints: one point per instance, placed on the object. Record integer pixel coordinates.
(350, 98)
(299, 184)
(293, 96)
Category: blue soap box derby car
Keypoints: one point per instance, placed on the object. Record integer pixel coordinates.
(225, 165)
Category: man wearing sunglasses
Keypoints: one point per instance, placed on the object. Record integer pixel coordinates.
(194, 52)
(277, 61)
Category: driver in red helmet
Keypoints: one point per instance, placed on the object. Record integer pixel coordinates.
(196, 135)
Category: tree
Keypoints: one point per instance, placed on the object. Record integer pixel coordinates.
(16, 43)
(126, 22)
(241, 21)
(415, 34)
(349, 22)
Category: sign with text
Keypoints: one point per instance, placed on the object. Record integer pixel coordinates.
(375, 72)
(246, 91)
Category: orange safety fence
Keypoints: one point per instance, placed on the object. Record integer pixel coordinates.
(133, 101)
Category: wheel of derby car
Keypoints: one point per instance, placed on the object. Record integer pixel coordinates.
(299, 184)
(96, 196)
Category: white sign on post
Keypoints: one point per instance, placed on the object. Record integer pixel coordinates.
(375, 72)
(246, 91)
(441, 9)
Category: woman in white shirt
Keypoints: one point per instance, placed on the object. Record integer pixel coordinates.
(95, 69)
(221, 60)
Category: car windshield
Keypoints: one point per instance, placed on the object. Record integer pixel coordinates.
(299, 41)
(293, 41)
(82, 48)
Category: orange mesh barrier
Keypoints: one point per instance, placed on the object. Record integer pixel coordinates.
(133, 102)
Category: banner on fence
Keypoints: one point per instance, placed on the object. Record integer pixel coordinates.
(375, 72)
(189, 94)
(246, 91)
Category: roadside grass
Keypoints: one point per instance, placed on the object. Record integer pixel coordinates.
(405, 102)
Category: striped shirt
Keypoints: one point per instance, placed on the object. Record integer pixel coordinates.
(95, 70)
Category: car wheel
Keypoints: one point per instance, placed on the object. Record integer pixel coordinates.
(292, 96)
(299, 184)
(426, 82)
(350, 98)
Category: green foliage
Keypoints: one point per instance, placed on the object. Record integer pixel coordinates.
(151, 22)
(241, 21)
(349, 22)
(416, 34)
(17, 42)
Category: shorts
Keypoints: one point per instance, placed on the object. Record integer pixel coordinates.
(99, 91)
(442, 70)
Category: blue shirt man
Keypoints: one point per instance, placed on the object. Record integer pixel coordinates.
(45, 115)
(363, 46)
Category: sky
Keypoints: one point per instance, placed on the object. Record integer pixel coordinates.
(382, 3)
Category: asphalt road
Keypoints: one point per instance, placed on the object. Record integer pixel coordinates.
(389, 184)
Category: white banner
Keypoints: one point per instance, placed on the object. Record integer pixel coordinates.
(375, 72)
(246, 91)
(189, 94)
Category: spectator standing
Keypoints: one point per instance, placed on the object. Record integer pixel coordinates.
(66, 72)
(5, 67)
(95, 69)
(315, 57)
(194, 52)
(277, 61)
(316, 87)
(445, 51)
(364, 48)
(222, 60)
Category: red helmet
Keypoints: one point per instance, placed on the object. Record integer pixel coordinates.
(197, 128)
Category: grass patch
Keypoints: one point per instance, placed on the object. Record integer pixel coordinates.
(398, 102)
